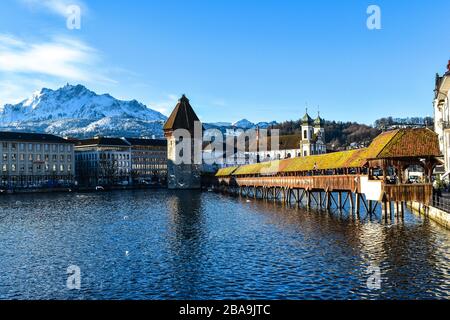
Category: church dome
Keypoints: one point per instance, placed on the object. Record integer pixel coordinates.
(319, 122)
(307, 120)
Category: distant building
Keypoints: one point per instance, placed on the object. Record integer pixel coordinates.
(148, 160)
(442, 115)
(310, 142)
(262, 148)
(184, 172)
(30, 160)
(313, 136)
(103, 161)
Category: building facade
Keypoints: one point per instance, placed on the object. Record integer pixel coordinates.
(103, 161)
(261, 147)
(148, 161)
(313, 136)
(442, 116)
(30, 160)
(184, 154)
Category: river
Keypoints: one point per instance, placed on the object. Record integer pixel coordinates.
(160, 244)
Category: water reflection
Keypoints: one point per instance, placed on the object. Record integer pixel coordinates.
(407, 250)
(191, 245)
(186, 239)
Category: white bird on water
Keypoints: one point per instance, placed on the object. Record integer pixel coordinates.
(127, 253)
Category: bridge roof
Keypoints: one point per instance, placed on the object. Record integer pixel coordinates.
(409, 143)
(225, 172)
(404, 143)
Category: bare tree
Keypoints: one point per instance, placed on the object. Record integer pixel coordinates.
(109, 171)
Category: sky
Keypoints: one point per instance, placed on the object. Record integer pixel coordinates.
(256, 59)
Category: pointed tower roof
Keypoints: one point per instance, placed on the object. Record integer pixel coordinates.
(182, 117)
(307, 120)
(319, 122)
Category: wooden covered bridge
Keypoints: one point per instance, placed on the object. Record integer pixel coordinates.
(362, 178)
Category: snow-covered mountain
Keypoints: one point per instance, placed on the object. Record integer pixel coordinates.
(75, 111)
(245, 124)
(266, 125)
(78, 112)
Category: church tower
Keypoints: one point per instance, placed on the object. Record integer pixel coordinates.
(307, 134)
(307, 127)
(319, 128)
(184, 152)
(319, 132)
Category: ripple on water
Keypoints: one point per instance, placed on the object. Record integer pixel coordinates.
(191, 245)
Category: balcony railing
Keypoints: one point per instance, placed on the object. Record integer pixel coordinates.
(409, 192)
(441, 203)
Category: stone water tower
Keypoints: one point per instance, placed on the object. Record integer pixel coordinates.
(184, 163)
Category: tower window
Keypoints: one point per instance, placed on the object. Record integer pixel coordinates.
(305, 134)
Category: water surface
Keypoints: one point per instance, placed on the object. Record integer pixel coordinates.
(191, 245)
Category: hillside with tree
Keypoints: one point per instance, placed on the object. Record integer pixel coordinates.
(345, 135)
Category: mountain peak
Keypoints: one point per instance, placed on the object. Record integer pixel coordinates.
(75, 105)
(244, 124)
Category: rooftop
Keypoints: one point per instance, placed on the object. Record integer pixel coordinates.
(182, 117)
(307, 120)
(147, 142)
(100, 141)
(403, 143)
(319, 122)
(32, 137)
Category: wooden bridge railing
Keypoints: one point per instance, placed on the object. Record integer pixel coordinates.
(396, 193)
(331, 183)
(421, 193)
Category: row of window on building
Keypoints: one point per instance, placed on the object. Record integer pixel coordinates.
(32, 160)
(35, 147)
(37, 169)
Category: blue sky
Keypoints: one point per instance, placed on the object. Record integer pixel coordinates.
(255, 59)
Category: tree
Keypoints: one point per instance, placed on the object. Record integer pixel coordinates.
(108, 171)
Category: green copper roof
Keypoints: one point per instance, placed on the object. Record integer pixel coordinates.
(319, 121)
(307, 119)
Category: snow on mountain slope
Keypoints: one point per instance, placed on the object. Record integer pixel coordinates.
(244, 124)
(77, 111)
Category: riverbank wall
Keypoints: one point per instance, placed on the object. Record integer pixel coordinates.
(439, 216)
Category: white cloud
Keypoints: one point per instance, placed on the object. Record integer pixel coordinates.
(26, 66)
(59, 7)
(8, 41)
(166, 105)
(64, 58)
(16, 89)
